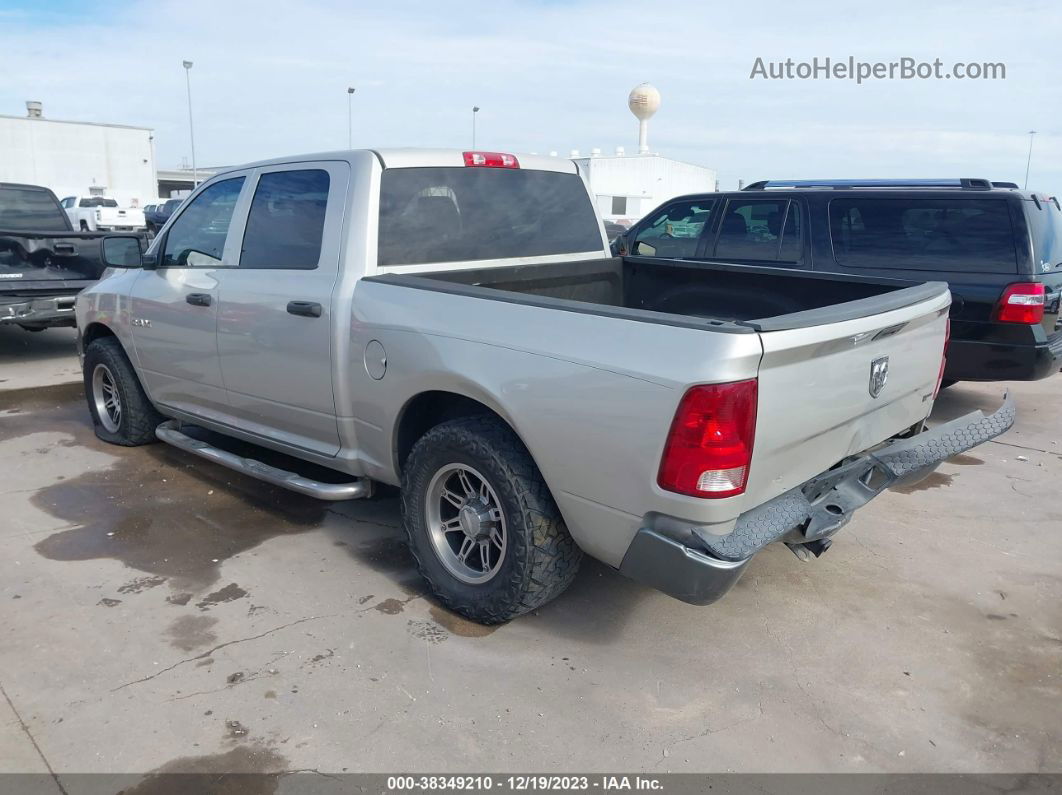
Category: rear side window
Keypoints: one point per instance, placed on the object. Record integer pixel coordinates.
(675, 231)
(453, 214)
(1045, 223)
(286, 221)
(197, 237)
(25, 209)
(752, 229)
(945, 234)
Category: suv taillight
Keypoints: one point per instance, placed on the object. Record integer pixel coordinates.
(1021, 303)
(709, 446)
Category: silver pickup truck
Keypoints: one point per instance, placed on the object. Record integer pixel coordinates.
(453, 323)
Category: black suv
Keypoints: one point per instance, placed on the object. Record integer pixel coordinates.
(998, 248)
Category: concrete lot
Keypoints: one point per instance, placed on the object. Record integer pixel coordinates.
(163, 613)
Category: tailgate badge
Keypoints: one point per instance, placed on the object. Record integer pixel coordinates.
(879, 374)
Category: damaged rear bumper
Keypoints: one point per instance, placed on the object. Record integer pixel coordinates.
(702, 567)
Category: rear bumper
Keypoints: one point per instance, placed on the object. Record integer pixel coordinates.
(53, 310)
(701, 567)
(976, 360)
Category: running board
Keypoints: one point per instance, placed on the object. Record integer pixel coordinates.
(170, 433)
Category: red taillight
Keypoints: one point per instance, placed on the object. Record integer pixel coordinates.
(491, 160)
(709, 446)
(1021, 303)
(943, 357)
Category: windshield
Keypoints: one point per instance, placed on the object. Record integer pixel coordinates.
(456, 214)
(27, 209)
(1045, 224)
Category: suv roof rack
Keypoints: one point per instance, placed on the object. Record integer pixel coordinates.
(964, 183)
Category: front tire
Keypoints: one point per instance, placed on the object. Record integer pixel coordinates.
(484, 529)
(121, 412)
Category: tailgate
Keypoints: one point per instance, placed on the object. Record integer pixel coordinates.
(816, 389)
(29, 258)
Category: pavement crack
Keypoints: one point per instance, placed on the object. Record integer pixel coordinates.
(209, 652)
(1023, 447)
(33, 741)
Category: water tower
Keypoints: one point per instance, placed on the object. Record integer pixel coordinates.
(644, 101)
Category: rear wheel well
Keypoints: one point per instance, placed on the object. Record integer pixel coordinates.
(429, 409)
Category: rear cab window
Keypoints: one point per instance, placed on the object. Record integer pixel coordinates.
(953, 234)
(447, 214)
(30, 210)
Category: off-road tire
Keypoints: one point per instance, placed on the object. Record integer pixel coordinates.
(541, 558)
(139, 417)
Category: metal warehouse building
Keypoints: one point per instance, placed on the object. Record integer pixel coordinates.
(71, 157)
(626, 187)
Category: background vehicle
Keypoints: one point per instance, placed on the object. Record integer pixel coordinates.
(999, 249)
(99, 213)
(453, 323)
(44, 263)
(160, 214)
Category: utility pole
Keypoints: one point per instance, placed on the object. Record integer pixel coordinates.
(350, 118)
(475, 110)
(1028, 161)
(191, 129)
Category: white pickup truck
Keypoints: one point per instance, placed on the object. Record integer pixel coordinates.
(453, 323)
(100, 213)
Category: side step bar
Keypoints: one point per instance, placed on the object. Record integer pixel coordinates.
(170, 433)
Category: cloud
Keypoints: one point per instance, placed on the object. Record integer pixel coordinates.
(270, 79)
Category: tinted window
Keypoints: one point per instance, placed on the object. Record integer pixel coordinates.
(171, 205)
(792, 248)
(286, 221)
(751, 229)
(1046, 227)
(97, 201)
(197, 237)
(453, 214)
(29, 209)
(946, 234)
(675, 231)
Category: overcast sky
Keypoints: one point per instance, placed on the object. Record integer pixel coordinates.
(270, 79)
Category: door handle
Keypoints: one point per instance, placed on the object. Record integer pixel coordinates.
(304, 308)
(198, 299)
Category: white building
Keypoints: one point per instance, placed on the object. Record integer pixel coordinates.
(626, 187)
(79, 158)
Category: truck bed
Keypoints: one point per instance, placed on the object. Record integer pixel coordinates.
(727, 297)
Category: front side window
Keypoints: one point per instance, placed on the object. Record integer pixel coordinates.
(197, 237)
(675, 231)
(752, 229)
(286, 221)
(946, 234)
(67, 203)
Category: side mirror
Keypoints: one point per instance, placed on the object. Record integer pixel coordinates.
(121, 252)
(619, 245)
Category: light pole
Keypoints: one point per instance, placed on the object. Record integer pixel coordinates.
(191, 128)
(475, 110)
(1028, 161)
(350, 118)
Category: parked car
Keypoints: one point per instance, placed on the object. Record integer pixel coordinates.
(160, 214)
(997, 247)
(102, 214)
(453, 323)
(44, 263)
